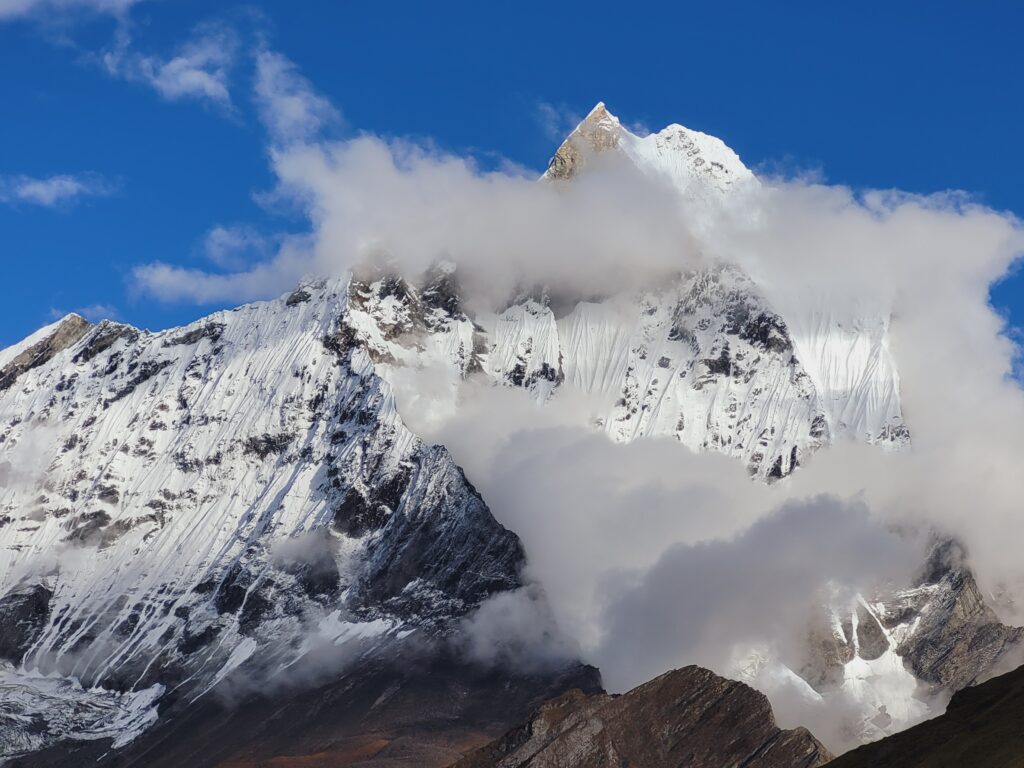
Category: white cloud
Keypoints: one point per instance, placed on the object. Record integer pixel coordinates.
(517, 630)
(13, 9)
(173, 283)
(608, 526)
(200, 69)
(556, 121)
(92, 312)
(235, 246)
(289, 106)
(368, 195)
(52, 191)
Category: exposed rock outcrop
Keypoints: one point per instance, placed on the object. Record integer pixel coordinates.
(687, 717)
(24, 612)
(63, 335)
(599, 132)
(957, 639)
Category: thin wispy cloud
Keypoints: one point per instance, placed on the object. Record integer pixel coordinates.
(290, 108)
(556, 121)
(200, 69)
(92, 312)
(18, 9)
(260, 276)
(235, 246)
(294, 115)
(52, 191)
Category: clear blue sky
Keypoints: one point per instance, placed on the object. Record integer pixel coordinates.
(918, 96)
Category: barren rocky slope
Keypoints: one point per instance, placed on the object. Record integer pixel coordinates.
(687, 717)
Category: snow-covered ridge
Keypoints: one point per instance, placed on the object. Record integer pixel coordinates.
(174, 505)
(704, 359)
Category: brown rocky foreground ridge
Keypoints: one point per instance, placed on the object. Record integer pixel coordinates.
(430, 713)
(686, 717)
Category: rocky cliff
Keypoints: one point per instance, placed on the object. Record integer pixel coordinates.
(687, 717)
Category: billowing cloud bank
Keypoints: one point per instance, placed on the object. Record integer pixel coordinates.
(651, 556)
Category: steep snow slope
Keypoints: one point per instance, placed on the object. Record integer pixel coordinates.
(176, 504)
(851, 364)
(704, 359)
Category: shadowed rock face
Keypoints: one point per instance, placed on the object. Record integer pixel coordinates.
(23, 613)
(687, 717)
(942, 629)
(413, 707)
(958, 639)
(981, 729)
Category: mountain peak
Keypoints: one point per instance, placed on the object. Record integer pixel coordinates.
(696, 163)
(599, 131)
(598, 114)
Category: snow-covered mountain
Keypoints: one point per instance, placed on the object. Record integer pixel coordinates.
(174, 502)
(180, 507)
(703, 357)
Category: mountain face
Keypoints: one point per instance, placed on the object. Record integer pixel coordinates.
(175, 502)
(685, 717)
(891, 654)
(218, 504)
(941, 629)
(704, 360)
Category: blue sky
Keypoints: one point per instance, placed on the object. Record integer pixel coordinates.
(140, 162)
